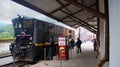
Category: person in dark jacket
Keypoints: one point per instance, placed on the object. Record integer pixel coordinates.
(95, 44)
(50, 53)
(78, 43)
(72, 43)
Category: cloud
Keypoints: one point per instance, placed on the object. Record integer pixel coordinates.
(10, 9)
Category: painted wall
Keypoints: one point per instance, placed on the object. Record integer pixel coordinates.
(102, 35)
(114, 17)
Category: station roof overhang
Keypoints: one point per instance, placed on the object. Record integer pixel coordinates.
(74, 13)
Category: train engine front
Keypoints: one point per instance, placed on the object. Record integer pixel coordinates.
(22, 47)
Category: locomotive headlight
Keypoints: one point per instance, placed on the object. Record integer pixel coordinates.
(31, 38)
(30, 42)
(14, 38)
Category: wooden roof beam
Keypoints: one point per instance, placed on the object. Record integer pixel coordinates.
(80, 20)
(71, 14)
(88, 28)
(91, 30)
(85, 23)
(95, 32)
(96, 13)
(24, 3)
(77, 12)
(68, 21)
(63, 5)
(88, 19)
(60, 2)
(59, 8)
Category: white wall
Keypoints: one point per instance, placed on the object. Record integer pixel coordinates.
(106, 64)
(102, 35)
(102, 39)
(114, 17)
(102, 32)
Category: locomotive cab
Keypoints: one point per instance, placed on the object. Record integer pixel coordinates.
(22, 47)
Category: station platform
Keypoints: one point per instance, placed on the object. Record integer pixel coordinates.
(85, 59)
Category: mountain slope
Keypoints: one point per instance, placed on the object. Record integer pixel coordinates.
(3, 24)
(6, 32)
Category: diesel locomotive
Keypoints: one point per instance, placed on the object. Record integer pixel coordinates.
(31, 36)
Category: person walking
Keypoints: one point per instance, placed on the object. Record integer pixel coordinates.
(78, 43)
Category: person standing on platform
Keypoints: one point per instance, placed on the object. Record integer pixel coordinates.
(50, 53)
(95, 44)
(72, 43)
(78, 44)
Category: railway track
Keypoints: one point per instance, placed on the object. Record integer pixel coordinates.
(16, 64)
(11, 64)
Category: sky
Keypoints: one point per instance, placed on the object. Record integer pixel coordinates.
(10, 10)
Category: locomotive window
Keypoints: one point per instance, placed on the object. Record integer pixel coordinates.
(18, 25)
(38, 24)
(70, 31)
(43, 25)
(27, 24)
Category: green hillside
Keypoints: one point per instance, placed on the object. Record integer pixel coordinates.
(6, 32)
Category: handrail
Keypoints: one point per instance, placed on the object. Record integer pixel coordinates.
(5, 56)
(6, 40)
